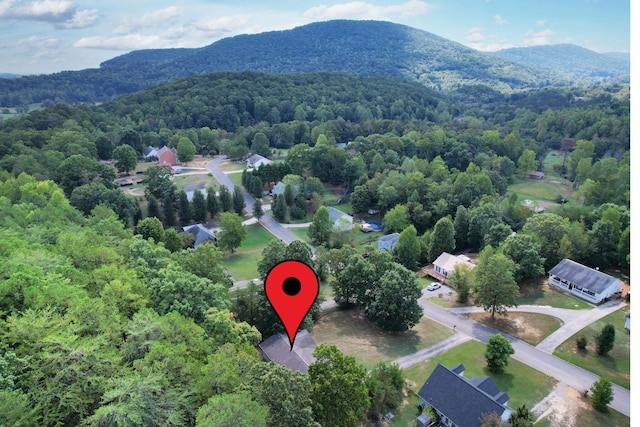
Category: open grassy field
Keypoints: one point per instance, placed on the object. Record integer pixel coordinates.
(243, 264)
(524, 385)
(182, 181)
(236, 178)
(538, 292)
(617, 364)
(301, 232)
(232, 166)
(355, 335)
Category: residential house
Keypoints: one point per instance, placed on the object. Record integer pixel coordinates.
(388, 242)
(150, 152)
(280, 186)
(256, 160)
(201, 234)
(461, 402)
(341, 221)
(444, 265)
(167, 156)
(277, 349)
(190, 189)
(537, 175)
(584, 282)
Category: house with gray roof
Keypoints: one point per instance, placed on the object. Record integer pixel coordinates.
(446, 263)
(341, 221)
(256, 160)
(461, 402)
(190, 189)
(584, 282)
(388, 242)
(201, 234)
(277, 349)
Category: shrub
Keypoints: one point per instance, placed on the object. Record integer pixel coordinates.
(581, 343)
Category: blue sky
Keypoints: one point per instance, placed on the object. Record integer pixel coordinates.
(46, 36)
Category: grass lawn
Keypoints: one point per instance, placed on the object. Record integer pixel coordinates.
(542, 189)
(236, 178)
(616, 365)
(243, 264)
(301, 232)
(524, 385)
(531, 328)
(232, 166)
(206, 179)
(592, 418)
(538, 292)
(355, 335)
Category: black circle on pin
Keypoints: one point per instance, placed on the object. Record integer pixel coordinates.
(291, 286)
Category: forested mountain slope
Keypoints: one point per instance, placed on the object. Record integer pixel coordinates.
(353, 47)
(574, 62)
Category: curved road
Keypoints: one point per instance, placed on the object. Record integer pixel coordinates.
(577, 378)
(267, 220)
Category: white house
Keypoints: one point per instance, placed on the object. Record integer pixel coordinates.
(584, 282)
(256, 161)
(445, 264)
(341, 221)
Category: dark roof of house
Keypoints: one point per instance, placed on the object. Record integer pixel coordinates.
(584, 276)
(390, 239)
(149, 150)
(336, 214)
(166, 149)
(462, 400)
(201, 234)
(276, 348)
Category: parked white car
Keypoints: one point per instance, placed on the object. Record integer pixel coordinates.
(434, 286)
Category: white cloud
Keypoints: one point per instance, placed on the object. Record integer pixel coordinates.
(157, 17)
(127, 42)
(541, 22)
(81, 19)
(539, 38)
(476, 39)
(363, 10)
(499, 20)
(221, 26)
(62, 13)
(40, 42)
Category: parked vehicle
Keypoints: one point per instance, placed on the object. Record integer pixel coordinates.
(434, 286)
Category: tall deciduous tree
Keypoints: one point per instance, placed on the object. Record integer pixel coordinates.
(396, 220)
(233, 232)
(527, 163)
(495, 287)
(151, 228)
(549, 229)
(321, 227)
(185, 150)
(442, 238)
(498, 351)
(232, 410)
(395, 304)
(125, 158)
(524, 251)
(407, 250)
(461, 279)
(280, 209)
(339, 393)
(461, 227)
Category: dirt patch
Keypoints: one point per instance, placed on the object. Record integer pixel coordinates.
(531, 328)
(560, 407)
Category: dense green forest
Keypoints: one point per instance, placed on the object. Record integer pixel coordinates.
(351, 47)
(107, 323)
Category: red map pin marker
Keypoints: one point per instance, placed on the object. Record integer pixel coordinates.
(291, 288)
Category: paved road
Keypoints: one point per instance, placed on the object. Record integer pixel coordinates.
(267, 221)
(577, 378)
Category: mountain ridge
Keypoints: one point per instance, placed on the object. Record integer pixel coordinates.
(345, 46)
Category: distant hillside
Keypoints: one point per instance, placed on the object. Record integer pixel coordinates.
(352, 47)
(574, 62)
(8, 76)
